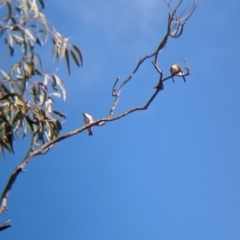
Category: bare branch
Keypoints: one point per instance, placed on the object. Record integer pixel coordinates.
(174, 29)
(117, 94)
(13, 177)
(114, 87)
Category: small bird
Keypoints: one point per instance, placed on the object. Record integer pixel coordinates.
(88, 119)
(175, 69)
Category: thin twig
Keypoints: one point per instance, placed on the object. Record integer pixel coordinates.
(118, 92)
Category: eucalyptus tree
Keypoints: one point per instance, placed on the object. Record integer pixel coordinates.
(27, 91)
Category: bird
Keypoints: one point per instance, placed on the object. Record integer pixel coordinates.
(88, 119)
(175, 69)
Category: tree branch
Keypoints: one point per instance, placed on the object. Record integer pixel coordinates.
(13, 177)
(174, 29)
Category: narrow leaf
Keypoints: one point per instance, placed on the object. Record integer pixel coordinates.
(10, 40)
(54, 48)
(38, 41)
(17, 39)
(36, 71)
(6, 76)
(67, 61)
(79, 54)
(10, 139)
(58, 125)
(38, 60)
(42, 3)
(29, 34)
(62, 51)
(44, 23)
(9, 15)
(54, 83)
(58, 95)
(11, 50)
(60, 84)
(59, 114)
(24, 132)
(30, 123)
(34, 9)
(4, 144)
(75, 58)
(4, 88)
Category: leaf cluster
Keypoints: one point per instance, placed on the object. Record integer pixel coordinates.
(27, 92)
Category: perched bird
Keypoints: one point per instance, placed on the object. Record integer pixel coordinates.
(88, 119)
(175, 69)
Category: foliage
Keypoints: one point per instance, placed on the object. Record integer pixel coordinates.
(27, 92)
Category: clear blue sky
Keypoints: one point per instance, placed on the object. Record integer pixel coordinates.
(168, 173)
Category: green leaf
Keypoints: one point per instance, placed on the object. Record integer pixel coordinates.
(14, 68)
(34, 93)
(17, 122)
(60, 84)
(37, 60)
(42, 3)
(10, 40)
(54, 82)
(40, 133)
(67, 61)
(24, 132)
(42, 97)
(18, 9)
(9, 6)
(28, 68)
(56, 94)
(11, 50)
(38, 72)
(19, 86)
(29, 34)
(44, 23)
(59, 114)
(79, 54)
(16, 28)
(75, 58)
(59, 46)
(34, 9)
(48, 105)
(62, 51)
(18, 39)
(24, 7)
(4, 144)
(6, 137)
(38, 41)
(10, 138)
(30, 123)
(49, 131)
(54, 48)
(5, 75)
(4, 88)
(58, 125)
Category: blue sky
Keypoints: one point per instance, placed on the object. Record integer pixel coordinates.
(171, 172)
